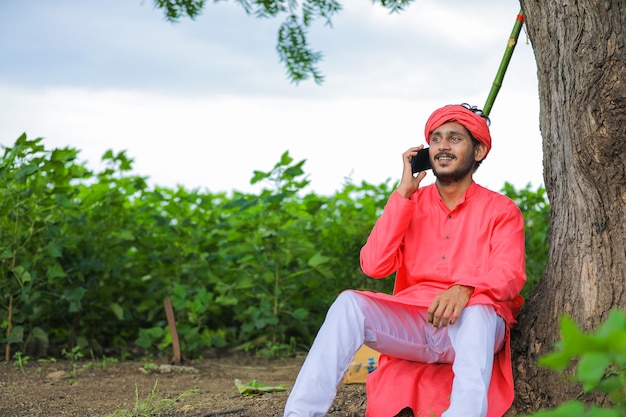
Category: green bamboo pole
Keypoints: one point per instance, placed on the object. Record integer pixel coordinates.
(508, 52)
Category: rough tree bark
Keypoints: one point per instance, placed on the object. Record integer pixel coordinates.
(580, 50)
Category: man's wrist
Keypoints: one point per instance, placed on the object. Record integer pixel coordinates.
(466, 288)
(403, 192)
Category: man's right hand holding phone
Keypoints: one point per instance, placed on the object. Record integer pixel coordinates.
(410, 183)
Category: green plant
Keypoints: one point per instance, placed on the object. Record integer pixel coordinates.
(255, 271)
(152, 405)
(277, 351)
(20, 360)
(73, 354)
(107, 361)
(600, 359)
(46, 360)
(35, 191)
(277, 268)
(149, 368)
(536, 211)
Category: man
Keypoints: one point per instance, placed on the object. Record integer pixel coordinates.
(457, 250)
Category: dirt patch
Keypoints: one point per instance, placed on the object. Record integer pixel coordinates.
(85, 389)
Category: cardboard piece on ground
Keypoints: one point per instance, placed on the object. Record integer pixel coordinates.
(363, 361)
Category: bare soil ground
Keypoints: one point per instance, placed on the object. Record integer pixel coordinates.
(86, 389)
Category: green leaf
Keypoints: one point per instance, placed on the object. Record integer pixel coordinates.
(568, 409)
(226, 300)
(126, 235)
(267, 276)
(118, 310)
(595, 411)
(294, 51)
(615, 323)
(254, 388)
(571, 345)
(26, 171)
(317, 260)
(40, 335)
(612, 384)
(300, 314)
(74, 296)
(591, 369)
(22, 275)
(55, 271)
(148, 337)
(617, 342)
(570, 332)
(175, 9)
(55, 250)
(244, 283)
(285, 160)
(259, 176)
(16, 335)
(556, 360)
(293, 172)
(61, 200)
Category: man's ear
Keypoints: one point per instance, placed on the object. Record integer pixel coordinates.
(480, 151)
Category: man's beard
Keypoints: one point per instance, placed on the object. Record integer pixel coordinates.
(467, 166)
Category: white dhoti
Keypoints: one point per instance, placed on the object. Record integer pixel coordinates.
(404, 332)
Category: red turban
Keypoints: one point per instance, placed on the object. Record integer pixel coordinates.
(457, 113)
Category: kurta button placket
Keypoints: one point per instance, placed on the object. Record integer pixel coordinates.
(447, 236)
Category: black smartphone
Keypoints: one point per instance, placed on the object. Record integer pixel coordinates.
(421, 161)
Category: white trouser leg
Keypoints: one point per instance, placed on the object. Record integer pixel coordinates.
(477, 335)
(352, 320)
(337, 341)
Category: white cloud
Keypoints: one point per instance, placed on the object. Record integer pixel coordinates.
(205, 103)
(218, 142)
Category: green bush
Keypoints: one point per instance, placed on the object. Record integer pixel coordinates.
(536, 210)
(600, 360)
(87, 259)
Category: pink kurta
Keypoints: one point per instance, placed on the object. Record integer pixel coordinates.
(480, 243)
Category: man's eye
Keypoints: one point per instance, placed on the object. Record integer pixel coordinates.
(455, 139)
(436, 140)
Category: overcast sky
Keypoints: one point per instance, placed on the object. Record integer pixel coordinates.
(204, 103)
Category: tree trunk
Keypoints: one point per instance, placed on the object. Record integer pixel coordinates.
(580, 50)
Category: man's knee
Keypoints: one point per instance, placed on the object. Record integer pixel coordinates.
(482, 319)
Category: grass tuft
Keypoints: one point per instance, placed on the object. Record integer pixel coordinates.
(152, 405)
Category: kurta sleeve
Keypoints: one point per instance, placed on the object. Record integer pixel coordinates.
(382, 253)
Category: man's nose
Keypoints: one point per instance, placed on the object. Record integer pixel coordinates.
(443, 144)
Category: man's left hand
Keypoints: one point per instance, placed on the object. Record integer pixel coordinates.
(447, 306)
